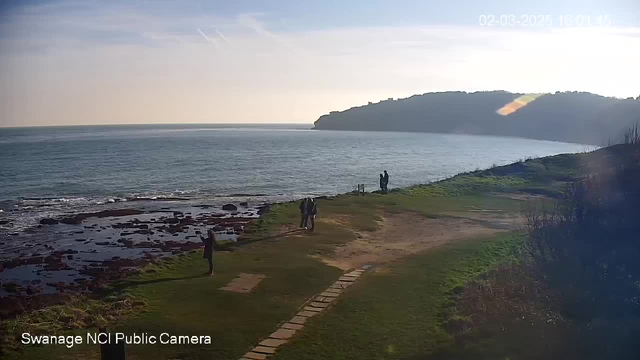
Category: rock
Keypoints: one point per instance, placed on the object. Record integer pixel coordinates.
(34, 260)
(229, 207)
(187, 220)
(31, 290)
(10, 287)
(78, 218)
(73, 220)
(244, 203)
(49, 221)
(263, 209)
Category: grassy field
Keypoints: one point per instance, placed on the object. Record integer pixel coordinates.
(393, 312)
(396, 312)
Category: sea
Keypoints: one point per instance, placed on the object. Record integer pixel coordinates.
(52, 171)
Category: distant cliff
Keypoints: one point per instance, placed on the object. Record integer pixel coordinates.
(570, 117)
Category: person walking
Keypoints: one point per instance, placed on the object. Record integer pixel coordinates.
(303, 213)
(208, 248)
(386, 181)
(312, 210)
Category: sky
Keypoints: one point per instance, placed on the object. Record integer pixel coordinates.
(92, 62)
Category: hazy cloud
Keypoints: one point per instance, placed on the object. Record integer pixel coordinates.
(103, 62)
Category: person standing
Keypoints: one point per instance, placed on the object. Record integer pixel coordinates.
(303, 213)
(386, 181)
(312, 210)
(208, 248)
(381, 183)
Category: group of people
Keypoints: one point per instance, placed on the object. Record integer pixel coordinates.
(308, 211)
(384, 182)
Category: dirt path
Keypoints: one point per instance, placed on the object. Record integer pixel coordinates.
(405, 234)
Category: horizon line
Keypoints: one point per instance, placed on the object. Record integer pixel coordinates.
(139, 124)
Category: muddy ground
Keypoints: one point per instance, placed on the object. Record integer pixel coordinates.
(400, 235)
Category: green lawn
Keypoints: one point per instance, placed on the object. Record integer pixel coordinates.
(397, 312)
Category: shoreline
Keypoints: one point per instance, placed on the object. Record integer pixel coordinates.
(83, 252)
(138, 237)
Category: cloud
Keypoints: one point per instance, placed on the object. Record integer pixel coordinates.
(250, 20)
(222, 36)
(213, 41)
(107, 63)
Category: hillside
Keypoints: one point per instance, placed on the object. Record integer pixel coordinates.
(570, 117)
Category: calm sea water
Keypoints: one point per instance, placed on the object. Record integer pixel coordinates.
(48, 171)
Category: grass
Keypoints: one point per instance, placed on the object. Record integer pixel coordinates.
(397, 312)
(391, 313)
(183, 302)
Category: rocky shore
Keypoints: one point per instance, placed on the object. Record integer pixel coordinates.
(85, 251)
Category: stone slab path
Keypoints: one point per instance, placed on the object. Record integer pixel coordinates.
(243, 283)
(315, 305)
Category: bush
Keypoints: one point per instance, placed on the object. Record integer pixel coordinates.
(587, 248)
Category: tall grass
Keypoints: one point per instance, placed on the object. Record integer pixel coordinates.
(587, 248)
(632, 135)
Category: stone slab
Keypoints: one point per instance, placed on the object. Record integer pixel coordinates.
(255, 356)
(291, 326)
(298, 320)
(335, 286)
(332, 290)
(272, 342)
(319, 304)
(329, 294)
(282, 334)
(306, 313)
(328, 299)
(264, 350)
(309, 308)
(342, 283)
(346, 279)
(243, 283)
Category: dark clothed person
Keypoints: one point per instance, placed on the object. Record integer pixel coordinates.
(209, 242)
(381, 183)
(303, 213)
(386, 181)
(312, 210)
